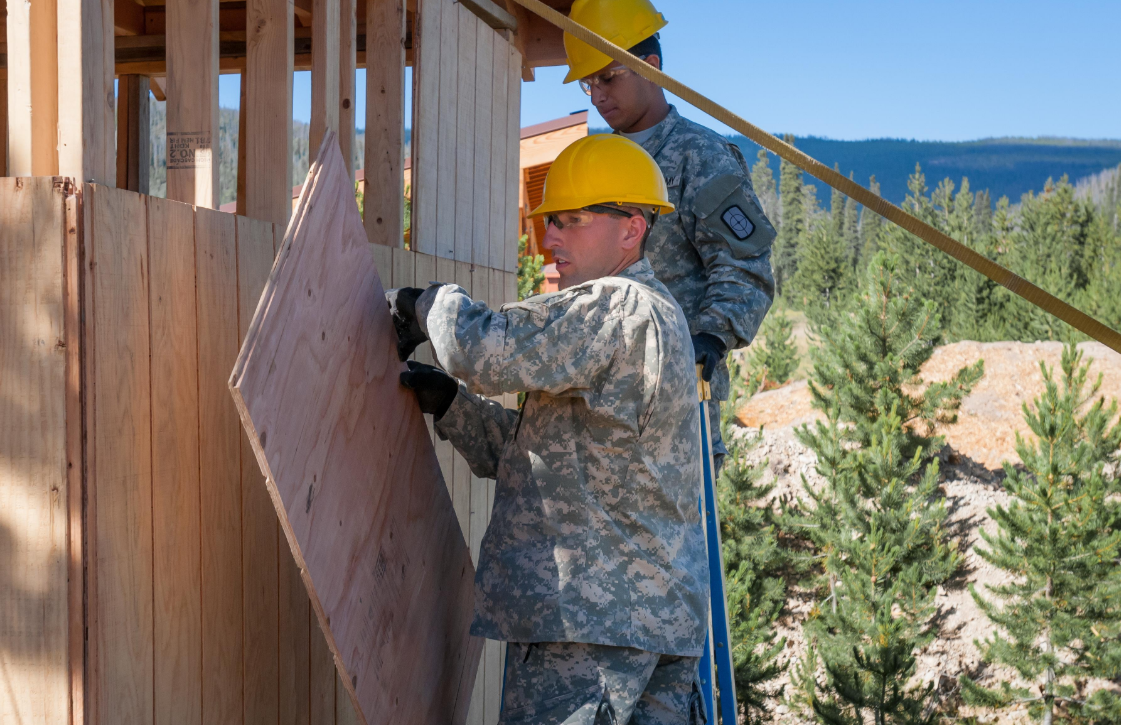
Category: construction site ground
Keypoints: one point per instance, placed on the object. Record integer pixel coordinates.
(976, 446)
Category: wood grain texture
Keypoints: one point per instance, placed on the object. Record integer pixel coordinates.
(486, 43)
(223, 616)
(323, 676)
(370, 525)
(465, 135)
(513, 159)
(176, 525)
(261, 546)
(192, 102)
(133, 133)
(449, 94)
(4, 126)
(120, 435)
(385, 123)
(294, 666)
(495, 241)
(268, 98)
(324, 71)
(34, 680)
(428, 40)
(85, 91)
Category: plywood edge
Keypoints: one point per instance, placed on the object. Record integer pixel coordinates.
(328, 153)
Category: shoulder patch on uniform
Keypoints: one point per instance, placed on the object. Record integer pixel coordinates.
(738, 222)
(715, 191)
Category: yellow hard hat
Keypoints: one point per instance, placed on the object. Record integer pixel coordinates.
(603, 169)
(623, 22)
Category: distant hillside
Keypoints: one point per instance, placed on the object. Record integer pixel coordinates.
(1006, 167)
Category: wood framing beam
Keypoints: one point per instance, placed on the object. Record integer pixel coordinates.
(32, 60)
(491, 14)
(385, 122)
(4, 125)
(157, 85)
(85, 91)
(324, 71)
(192, 102)
(128, 18)
(133, 130)
(348, 46)
(268, 104)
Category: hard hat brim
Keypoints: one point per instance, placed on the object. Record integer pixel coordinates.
(559, 205)
(593, 60)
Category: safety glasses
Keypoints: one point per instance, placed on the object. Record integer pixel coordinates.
(583, 217)
(603, 80)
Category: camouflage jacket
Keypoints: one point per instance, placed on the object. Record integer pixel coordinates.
(713, 251)
(595, 535)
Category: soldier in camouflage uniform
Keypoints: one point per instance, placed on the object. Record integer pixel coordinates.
(713, 250)
(593, 566)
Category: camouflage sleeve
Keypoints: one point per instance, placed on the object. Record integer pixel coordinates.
(478, 428)
(552, 343)
(733, 238)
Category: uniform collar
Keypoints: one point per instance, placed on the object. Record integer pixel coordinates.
(640, 271)
(662, 132)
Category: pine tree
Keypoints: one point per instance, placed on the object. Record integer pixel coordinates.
(755, 594)
(773, 362)
(763, 181)
(530, 274)
(852, 231)
(837, 205)
(824, 274)
(870, 225)
(791, 221)
(874, 534)
(1058, 619)
(982, 214)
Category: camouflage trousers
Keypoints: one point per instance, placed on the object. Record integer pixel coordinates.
(570, 683)
(718, 448)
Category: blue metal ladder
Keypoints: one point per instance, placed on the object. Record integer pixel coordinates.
(714, 669)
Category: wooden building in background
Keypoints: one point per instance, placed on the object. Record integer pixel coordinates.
(143, 578)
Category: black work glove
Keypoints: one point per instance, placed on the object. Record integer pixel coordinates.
(402, 307)
(709, 350)
(435, 390)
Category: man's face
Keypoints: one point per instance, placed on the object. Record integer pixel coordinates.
(592, 245)
(621, 96)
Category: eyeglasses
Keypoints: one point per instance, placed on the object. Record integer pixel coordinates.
(583, 217)
(603, 80)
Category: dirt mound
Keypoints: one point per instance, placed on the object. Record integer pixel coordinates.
(977, 444)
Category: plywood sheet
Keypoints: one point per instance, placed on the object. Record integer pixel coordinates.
(350, 468)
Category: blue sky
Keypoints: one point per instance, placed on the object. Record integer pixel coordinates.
(951, 70)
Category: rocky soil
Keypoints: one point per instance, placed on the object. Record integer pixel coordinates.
(977, 444)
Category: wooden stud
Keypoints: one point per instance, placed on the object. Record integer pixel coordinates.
(260, 539)
(192, 102)
(344, 707)
(445, 205)
(133, 132)
(496, 232)
(223, 616)
(4, 125)
(32, 80)
(348, 46)
(176, 526)
(120, 435)
(428, 103)
(484, 105)
(324, 72)
(242, 113)
(293, 689)
(85, 130)
(385, 124)
(465, 135)
(34, 448)
(268, 103)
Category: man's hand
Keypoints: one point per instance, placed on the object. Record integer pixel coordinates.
(435, 390)
(709, 351)
(402, 307)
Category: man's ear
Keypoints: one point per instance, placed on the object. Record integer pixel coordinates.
(654, 60)
(635, 232)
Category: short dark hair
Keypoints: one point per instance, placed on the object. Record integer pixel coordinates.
(649, 46)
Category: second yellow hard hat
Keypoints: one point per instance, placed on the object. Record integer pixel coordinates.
(623, 22)
(603, 169)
